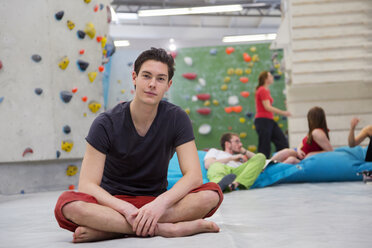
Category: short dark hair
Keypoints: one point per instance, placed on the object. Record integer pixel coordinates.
(226, 137)
(157, 54)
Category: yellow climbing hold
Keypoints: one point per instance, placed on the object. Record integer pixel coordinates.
(277, 66)
(251, 64)
(87, 1)
(248, 71)
(239, 71)
(281, 125)
(71, 170)
(207, 103)
(255, 58)
(94, 106)
(230, 71)
(119, 81)
(90, 30)
(276, 118)
(85, 114)
(279, 72)
(253, 49)
(67, 146)
(70, 24)
(122, 91)
(64, 63)
(215, 102)
(92, 75)
(253, 127)
(103, 41)
(252, 148)
(241, 119)
(187, 110)
(224, 87)
(242, 135)
(226, 79)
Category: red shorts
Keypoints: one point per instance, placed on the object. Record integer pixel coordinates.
(137, 201)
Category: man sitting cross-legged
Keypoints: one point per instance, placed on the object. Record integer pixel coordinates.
(123, 178)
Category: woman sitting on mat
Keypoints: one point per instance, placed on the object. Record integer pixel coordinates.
(316, 141)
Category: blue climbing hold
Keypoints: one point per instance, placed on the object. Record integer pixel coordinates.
(36, 58)
(101, 6)
(82, 65)
(277, 76)
(66, 129)
(110, 48)
(38, 91)
(80, 34)
(22, 192)
(249, 115)
(1, 99)
(66, 96)
(58, 154)
(213, 51)
(59, 15)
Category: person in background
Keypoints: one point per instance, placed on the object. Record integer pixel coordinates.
(123, 179)
(363, 134)
(267, 129)
(316, 140)
(233, 166)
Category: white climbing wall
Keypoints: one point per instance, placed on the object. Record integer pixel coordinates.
(37, 121)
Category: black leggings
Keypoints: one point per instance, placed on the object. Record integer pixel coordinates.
(268, 131)
(369, 151)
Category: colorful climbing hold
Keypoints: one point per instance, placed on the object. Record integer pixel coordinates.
(229, 128)
(58, 154)
(252, 148)
(204, 111)
(188, 61)
(248, 71)
(207, 103)
(36, 58)
(59, 15)
(95, 8)
(255, 58)
(228, 110)
(246, 57)
(103, 42)
(65, 96)
(203, 97)
(92, 76)
(66, 129)
(94, 106)
(67, 145)
(224, 87)
(74, 90)
(1, 99)
(87, 1)
(26, 151)
(253, 127)
(277, 76)
(215, 102)
(230, 71)
(233, 100)
(249, 115)
(83, 65)
(101, 6)
(71, 170)
(276, 118)
(38, 91)
(173, 54)
(243, 135)
(101, 68)
(244, 80)
(242, 120)
(253, 49)
(80, 34)
(70, 24)
(84, 98)
(64, 63)
(1, 65)
(202, 81)
(213, 51)
(122, 91)
(281, 125)
(239, 71)
(190, 75)
(205, 129)
(244, 94)
(98, 38)
(237, 109)
(90, 30)
(71, 187)
(81, 52)
(229, 50)
(226, 79)
(187, 110)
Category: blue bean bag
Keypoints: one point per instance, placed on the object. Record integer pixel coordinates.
(343, 164)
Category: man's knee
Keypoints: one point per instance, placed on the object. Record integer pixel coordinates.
(209, 198)
(74, 210)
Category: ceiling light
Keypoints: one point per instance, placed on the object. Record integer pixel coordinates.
(121, 43)
(190, 11)
(172, 47)
(247, 38)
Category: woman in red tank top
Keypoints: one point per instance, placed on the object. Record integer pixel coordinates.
(316, 140)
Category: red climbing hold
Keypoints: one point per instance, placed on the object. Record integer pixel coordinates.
(82, 51)
(99, 38)
(101, 68)
(84, 98)
(190, 75)
(204, 111)
(203, 97)
(27, 150)
(74, 90)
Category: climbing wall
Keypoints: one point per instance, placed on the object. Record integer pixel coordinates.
(52, 57)
(216, 86)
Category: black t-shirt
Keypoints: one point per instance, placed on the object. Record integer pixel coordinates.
(137, 165)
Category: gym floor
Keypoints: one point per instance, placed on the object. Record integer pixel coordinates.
(286, 215)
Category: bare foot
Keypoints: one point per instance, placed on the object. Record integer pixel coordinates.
(186, 228)
(86, 234)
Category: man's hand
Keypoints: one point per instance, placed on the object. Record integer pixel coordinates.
(354, 122)
(147, 218)
(300, 154)
(239, 157)
(130, 213)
